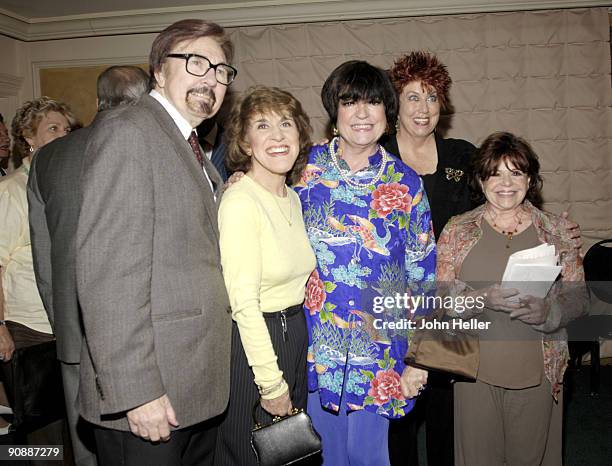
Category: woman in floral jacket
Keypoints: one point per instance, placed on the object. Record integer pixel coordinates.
(369, 223)
(512, 413)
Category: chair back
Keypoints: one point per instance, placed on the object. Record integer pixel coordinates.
(598, 269)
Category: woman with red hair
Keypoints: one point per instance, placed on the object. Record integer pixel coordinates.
(422, 83)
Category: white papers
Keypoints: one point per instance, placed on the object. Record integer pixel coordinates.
(5, 410)
(532, 271)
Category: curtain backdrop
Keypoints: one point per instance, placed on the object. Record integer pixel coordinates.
(544, 75)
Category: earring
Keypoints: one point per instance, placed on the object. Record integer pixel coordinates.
(397, 125)
(31, 149)
(335, 130)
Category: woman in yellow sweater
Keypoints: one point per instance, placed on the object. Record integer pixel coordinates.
(266, 258)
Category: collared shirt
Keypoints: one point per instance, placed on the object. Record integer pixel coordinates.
(374, 239)
(22, 303)
(183, 125)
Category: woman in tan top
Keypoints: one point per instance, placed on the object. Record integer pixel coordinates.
(512, 414)
(266, 259)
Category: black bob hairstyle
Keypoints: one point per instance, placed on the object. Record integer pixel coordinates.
(357, 80)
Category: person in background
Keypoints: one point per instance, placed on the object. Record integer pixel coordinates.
(268, 137)
(512, 414)
(23, 321)
(422, 84)
(368, 220)
(53, 198)
(5, 146)
(37, 123)
(155, 371)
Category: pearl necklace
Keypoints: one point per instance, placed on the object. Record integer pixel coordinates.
(356, 184)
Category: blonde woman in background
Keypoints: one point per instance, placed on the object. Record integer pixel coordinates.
(23, 320)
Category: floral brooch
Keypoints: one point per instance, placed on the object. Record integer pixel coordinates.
(453, 174)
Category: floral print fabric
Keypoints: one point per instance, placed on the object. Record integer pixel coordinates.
(377, 238)
(463, 232)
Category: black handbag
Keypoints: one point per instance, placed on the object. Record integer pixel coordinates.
(286, 440)
(33, 385)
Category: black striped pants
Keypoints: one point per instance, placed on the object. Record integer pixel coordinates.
(234, 434)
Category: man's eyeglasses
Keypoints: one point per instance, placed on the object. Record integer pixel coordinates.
(198, 65)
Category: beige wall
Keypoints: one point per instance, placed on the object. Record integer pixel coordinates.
(32, 57)
(11, 76)
(544, 75)
(76, 86)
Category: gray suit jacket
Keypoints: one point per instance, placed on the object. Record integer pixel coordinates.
(155, 310)
(53, 199)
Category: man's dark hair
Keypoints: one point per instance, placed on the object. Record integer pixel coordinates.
(121, 85)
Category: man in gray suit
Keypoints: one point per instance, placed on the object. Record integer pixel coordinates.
(155, 369)
(53, 198)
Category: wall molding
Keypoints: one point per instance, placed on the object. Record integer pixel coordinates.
(10, 85)
(262, 12)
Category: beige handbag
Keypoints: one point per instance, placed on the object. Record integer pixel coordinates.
(447, 350)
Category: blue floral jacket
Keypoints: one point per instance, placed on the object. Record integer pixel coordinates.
(375, 239)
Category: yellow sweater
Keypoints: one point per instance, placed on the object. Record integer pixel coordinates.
(266, 263)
